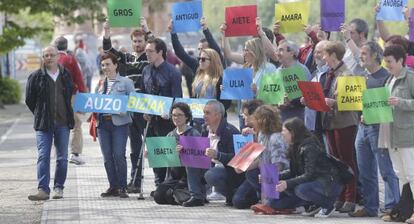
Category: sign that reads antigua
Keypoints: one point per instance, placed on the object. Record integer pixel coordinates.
(186, 16)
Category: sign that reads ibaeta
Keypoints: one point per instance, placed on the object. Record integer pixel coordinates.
(124, 13)
(161, 152)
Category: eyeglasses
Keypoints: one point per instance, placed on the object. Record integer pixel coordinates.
(177, 115)
(202, 59)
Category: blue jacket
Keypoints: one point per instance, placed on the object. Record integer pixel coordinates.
(122, 86)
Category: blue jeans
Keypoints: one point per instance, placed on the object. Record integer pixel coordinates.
(60, 136)
(247, 193)
(196, 184)
(217, 178)
(317, 194)
(112, 140)
(369, 159)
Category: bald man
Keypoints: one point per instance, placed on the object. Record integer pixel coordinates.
(48, 96)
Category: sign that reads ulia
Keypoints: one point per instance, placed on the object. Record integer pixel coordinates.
(100, 103)
(124, 13)
(237, 84)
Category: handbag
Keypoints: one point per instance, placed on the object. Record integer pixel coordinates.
(345, 172)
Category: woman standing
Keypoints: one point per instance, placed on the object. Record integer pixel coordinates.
(398, 136)
(113, 129)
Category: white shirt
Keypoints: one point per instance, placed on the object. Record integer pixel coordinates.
(52, 75)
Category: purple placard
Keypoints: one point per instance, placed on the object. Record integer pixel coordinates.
(269, 175)
(193, 152)
(332, 14)
(411, 26)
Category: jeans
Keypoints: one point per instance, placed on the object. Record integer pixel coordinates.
(315, 193)
(247, 193)
(196, 184)
(113, 141)
(217, 178)
(369, 159)
(135, 140)
(60, 136)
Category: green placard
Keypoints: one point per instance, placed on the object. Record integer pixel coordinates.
(375, 106)
(162, 152)
(124, 13)
(271, 88)
(291, 76)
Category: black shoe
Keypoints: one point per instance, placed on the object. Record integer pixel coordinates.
(206, 201)
(133, 189)
(312, 210)
(192, 202)
(111, 192)
(152, 193)
(123, 193)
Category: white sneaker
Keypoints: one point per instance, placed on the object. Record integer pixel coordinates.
(215, 196)
(57, 193)
(76, 159)
(325, 212)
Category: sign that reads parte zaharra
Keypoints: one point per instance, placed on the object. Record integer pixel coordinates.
(124, 13)
(350, 90)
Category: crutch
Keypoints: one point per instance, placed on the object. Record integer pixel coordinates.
(140, 160)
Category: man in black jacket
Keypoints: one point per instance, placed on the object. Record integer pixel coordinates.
(48, 96)
(221, 151)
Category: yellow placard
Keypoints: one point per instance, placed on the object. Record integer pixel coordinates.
(292, 16)
(350, 90)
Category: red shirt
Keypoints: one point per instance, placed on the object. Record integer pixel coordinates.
(69, 63)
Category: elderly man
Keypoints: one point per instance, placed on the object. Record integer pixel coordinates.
(222, 177)
(48, 96)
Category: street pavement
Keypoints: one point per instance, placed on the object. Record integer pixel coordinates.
(82, 202)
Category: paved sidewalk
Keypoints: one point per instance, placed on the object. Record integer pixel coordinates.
(82, 202)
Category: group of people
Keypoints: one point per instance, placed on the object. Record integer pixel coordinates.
(299, 141)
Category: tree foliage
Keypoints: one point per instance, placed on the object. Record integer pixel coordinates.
(15, 32)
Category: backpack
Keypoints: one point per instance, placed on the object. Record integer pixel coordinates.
(181, 195)
(404, 208)
(345, 172)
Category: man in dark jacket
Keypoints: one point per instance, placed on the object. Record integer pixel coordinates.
(221, 151)
(48, 96)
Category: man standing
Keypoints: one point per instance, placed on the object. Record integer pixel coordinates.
(163, 79)
(48, 96)
(131, 65)
(69, 62)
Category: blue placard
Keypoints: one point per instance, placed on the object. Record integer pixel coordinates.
(391, 10)
(186, 16)
(149, 104)
(237, 84)
(240, 140)
(100, 103)
(196, 105)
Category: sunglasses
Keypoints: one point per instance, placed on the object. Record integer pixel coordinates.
(203, 59)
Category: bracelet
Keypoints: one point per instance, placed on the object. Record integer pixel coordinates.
(347, 40)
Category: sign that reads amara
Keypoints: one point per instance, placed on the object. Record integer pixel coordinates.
(241, 21)
(186, 16)
(196, 105)
(237, 84)
(313, 94)
(193, 152)
(269, 174)
(149, 104)
(125, 13)
(100, 103)
(350, 90)
(391, 10)
(162, 152)
(376, 109)
(332, 14)
(292, 16)
(271, 88)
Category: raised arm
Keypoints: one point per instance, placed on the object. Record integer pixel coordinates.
(270, 49)
(210, 40)
(235, 57)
